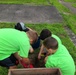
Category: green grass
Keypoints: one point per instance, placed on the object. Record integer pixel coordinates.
(37, 2)
(3, 71)
(69, 18)
(57, 29)
(70, 21)
(70, 0)
(74, 5)
(61, 8)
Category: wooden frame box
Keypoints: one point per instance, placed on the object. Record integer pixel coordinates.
(35, 71)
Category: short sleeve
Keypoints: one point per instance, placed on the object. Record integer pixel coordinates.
(24, 50)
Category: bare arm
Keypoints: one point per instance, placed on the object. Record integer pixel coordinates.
(41, 49)
(31, 50)
(25, 60)
(17, 56)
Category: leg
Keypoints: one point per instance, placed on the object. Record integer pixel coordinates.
(12, 67)
(9, 62)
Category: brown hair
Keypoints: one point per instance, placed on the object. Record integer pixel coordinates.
(32, 34)
(50, 42)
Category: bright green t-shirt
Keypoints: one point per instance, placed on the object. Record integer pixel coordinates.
(12, 41)
(62, 60)
(57, 38)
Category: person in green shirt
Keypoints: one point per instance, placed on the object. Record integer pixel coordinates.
(58, 57)
(43, 35)
(15, 44)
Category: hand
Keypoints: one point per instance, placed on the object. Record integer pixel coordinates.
(26, 61)
(41, 49)
(39, 56)
(31, 50)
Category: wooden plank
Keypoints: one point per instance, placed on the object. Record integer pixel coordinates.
(35, 71)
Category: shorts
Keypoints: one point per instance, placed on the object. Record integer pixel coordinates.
(10, 61)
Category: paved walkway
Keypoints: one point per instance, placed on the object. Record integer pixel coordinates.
(71, 35)
(29, 14)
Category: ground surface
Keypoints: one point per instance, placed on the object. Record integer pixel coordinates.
(29, 14)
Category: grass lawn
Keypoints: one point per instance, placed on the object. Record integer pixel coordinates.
(3, 71)
(37, 2)
(70, 0)
(61, 8)
(70, 21)
(74, 5)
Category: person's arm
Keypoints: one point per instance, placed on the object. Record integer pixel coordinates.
(24, 48)
(41, 49)
(17, 56)
(45, 59)
(31, 50)
(25, 60)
